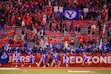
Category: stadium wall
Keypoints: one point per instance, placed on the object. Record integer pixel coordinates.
(75, 60)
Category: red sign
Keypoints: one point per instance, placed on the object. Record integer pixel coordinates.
(70, 60)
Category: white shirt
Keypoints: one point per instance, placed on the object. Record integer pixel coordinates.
(23, 23)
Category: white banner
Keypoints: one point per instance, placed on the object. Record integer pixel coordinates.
(56, 9)
(60, 9)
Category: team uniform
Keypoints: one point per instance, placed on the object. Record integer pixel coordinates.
(85, 60)
(55, 58)
(18, 58)
(59, 60)
(54, 61)
(44, 59)
(65, 60)
(31, 59)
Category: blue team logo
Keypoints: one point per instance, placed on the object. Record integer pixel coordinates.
(4, 59)
(4, 56)
(71, 14)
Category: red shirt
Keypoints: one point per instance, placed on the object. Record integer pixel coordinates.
(57, 23)
(49, 40)
(21, 41)
(92, 9)
(27, 21)
(13, 20)
(107, 28)
(65, 38)
(6, 40)
(81, 41)
(84, 38)
(79, 36)
(36, 27)
(39, 17)
(43, 23)
(100, 33)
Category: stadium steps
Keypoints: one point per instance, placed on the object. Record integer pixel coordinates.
(84, 31)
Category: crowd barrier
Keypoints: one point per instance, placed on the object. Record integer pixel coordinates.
(73, 60)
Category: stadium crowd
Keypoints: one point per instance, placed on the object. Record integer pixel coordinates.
(38, 17)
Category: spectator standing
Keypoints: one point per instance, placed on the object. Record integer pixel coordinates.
(77, 29)
(93, 29)
(71, 27)
(2, 22)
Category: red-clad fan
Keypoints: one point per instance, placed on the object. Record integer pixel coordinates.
(49, 40)
(6, 40)
(100, 33)
(92, 9)
(43, 23)
(13, 21)
(21, 42)
(32, 36)
(65, 38)
(78, 2)
(21, 16)
(104, 14)
(79, 36)
(36, 26)
(8, 22)
(12, 30)
(50, 10)
(81, 40)
(39, 18)
(84, 38)
(57, 25)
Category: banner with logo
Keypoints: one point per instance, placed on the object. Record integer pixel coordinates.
(71, 14)
(4, 58)
(87, 60)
